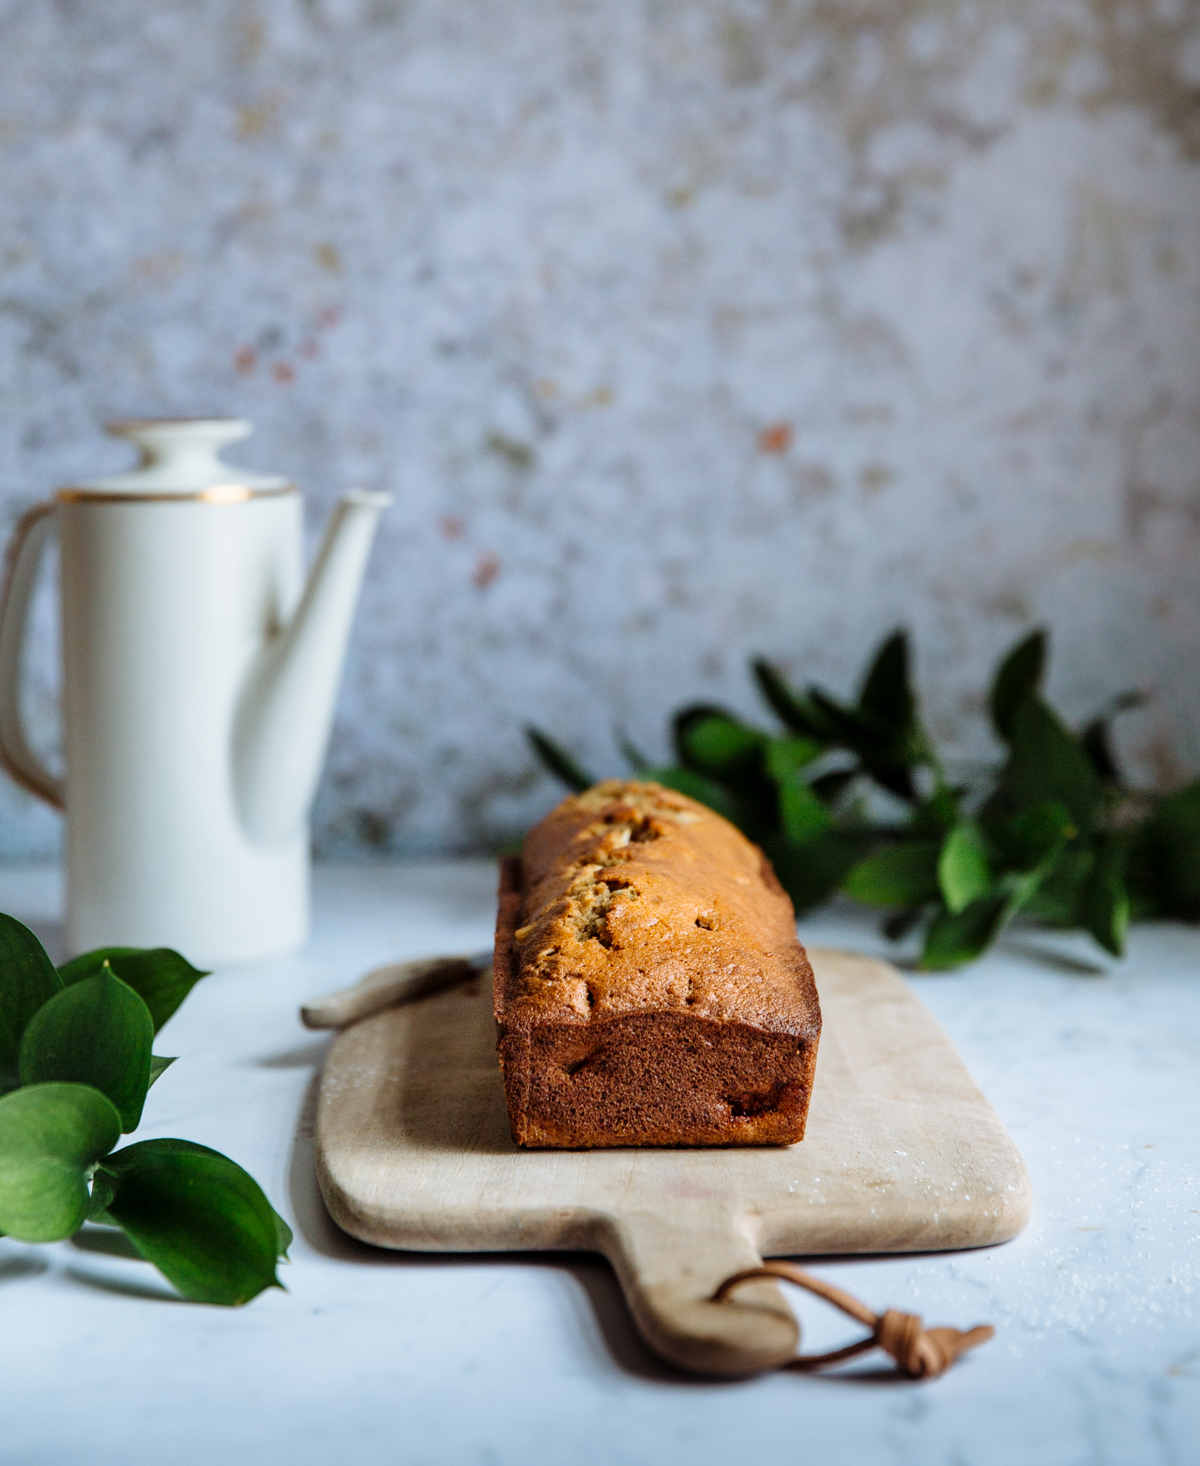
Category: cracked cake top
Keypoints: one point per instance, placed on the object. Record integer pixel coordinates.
(635, 898)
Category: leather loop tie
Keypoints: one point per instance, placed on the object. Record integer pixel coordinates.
(920, 1353)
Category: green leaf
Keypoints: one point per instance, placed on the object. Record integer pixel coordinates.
(888, 751)
(1169, 848)
(793, 709)
(283, 1237)
(159, 975)
(559, 762)
(719, 746)
(889, 701)
(964, 871)
(810, 873)
(856, 731)
(1020, 886)
(27, 980)
(940, 812)
(89, 964)
(887, 692)
(1047, 764)
(697, 787)
(198, 1217)
(96, 1032)
(1097, 744)
(786, 757)
(159, 1066)
(1018, 677)
(882, 729)
(714, 742)
(1104, 904)
(1096, 739)
(1060, 880)
(901, 875)
(50, 1137)
(801, 813)
(956, 937)
(102, 1194)
(1031, 837)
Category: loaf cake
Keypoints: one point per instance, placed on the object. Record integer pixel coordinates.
(649, 985)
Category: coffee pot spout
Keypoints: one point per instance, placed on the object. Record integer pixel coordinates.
(286, 707)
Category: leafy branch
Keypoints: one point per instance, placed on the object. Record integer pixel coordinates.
(76, 1064)
(854, 797)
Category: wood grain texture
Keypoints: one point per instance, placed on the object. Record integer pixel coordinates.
(902, 1154)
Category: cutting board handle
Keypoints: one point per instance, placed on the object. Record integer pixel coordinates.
(669, 1269)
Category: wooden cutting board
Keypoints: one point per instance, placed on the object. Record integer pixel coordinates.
(902, 1154)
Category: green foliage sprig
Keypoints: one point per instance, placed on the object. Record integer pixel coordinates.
(854, 797)
(75, 1067)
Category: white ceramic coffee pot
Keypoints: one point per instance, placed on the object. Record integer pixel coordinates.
(200, 674)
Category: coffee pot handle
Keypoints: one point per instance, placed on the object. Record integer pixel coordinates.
(21, 567)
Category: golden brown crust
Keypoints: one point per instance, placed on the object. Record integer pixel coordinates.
(649, 986)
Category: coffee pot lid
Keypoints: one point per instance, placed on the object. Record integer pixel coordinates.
(181, 455)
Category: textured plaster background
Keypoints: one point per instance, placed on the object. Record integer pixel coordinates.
(681, 330)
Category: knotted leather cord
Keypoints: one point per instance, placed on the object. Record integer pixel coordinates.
(920, 1353)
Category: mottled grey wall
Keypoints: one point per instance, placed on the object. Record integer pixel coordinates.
(681, 329)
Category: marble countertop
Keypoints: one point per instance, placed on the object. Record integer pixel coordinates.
(382, 1357)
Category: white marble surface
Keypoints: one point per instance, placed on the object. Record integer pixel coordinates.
(377, 1357)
